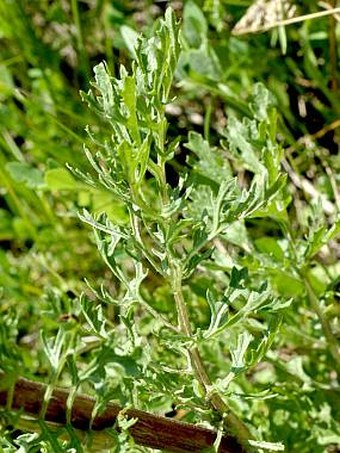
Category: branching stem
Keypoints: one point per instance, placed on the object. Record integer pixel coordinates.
(327, 330)
(232, 423)
(314, 302)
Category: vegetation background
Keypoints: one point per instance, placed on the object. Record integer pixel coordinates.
(62, 317)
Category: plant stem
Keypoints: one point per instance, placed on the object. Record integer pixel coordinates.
(331, 340)
(83, 59)
(332, 38)
(232, 423)
(314, 301)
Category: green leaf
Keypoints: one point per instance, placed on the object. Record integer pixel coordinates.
(127, 362)
(320, 236)
(238, 353)
(130, 101)
(104, 84)
(93, 314)
(261, 101)
(236, 233)
(211, 166)
(61, 179)
(195, 26)
(241, 144)
(286, 284)
(238, 277)
(270, 246)
(130, 37)
(24, 173)
(195, 260)
(53, 348)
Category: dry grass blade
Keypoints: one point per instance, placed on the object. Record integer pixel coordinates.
(264, 15)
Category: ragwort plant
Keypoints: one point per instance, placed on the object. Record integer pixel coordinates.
(204, 304)
(173, 234)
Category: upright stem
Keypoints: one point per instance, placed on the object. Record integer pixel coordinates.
(314, 302)
(331, 339)
(232, 423)
(83, 59)
(333, 50)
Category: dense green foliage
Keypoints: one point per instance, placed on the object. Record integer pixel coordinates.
(169, 235)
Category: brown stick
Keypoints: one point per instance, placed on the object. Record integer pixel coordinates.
(149, 430)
